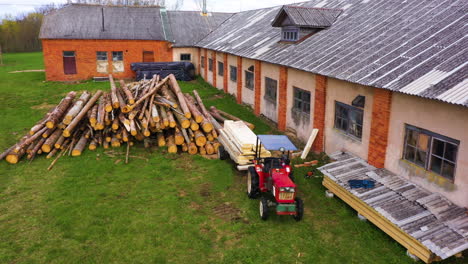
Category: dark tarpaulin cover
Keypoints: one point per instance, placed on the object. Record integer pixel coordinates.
(183, 71)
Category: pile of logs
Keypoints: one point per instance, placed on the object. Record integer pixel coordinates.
(153, 111)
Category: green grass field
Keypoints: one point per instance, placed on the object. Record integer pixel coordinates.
(159, 209)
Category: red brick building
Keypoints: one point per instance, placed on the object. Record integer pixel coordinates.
(85, 41)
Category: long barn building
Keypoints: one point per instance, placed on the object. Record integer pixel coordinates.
(384, 80)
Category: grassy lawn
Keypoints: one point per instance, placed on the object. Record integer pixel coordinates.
(160, 209)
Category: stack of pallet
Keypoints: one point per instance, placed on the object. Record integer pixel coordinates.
(142, 111)
(240, 142)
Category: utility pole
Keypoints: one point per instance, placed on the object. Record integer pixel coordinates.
(204, 11)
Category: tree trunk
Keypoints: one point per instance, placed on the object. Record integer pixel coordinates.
(209, 148)
(171, 146)
(50, 142)
(231, 117)
(80, 145)
(178, 137)
(128, 94)
(180, 96)
(183, 121)
(67, 131)
(192, 149)
(114, 98)
(93, 117)
(161, 139)
(193, 109)
(200, 138)
(76, 107)
(60, 110)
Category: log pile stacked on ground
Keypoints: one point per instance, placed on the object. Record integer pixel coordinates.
(240, 141)
(150, 111)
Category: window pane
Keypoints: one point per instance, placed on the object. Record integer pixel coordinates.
(68, 54)
(438, 147)
(117, 56)
(306, 108)
(101, 55)
(450, 152)
(436, 165)
(411, 137)
(448, 170)
(423, 141)
(409, 153)
(421, 158)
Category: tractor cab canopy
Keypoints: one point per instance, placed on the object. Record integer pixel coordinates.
(276, 142)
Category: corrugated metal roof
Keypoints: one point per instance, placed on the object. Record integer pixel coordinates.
(189, 27)
(414, 46)
(426, 216)
(307, 17)
(120, 22)
(78, 21)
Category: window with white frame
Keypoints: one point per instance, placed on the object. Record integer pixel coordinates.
(289, 34)
(431, 151)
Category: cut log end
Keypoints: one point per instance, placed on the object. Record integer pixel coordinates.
(11, 158)
(109, 108)
(185, 124)
(76, 152)
(46, 148)
(198, 119)
(50, 124)
(127, 109)
(66, 133)
(188, 115)
(172, 149)
(207, 127)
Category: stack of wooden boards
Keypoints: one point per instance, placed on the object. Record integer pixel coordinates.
(240, 142)
(150, 111)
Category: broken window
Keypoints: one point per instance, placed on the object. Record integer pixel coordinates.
(117, 61)
(233, 73)
(270, 89)
(220, 68)
(349, 119)
(202, 61)
(431, 151)
(249, 80)
(186, 57)
(210, 64)
(69, 62)
(301, 101)
(101, 62)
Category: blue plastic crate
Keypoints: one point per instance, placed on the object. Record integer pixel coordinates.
(361, 184)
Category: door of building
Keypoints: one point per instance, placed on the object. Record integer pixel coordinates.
(69, 62)
(148, 56)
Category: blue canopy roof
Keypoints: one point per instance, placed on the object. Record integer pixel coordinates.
(275, 142)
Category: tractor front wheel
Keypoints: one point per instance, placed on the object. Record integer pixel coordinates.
(299, 209)
(252, 183)
(263, 208)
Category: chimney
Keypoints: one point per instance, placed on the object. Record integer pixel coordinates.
(204, 11)
(102, 16)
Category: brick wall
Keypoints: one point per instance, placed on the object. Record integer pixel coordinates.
(225, 76)
(215, 67)
(206, 65)
(379, 127)
(319, 112)
(85, 56)
(282, 96)
(258, 87)
(239, 80)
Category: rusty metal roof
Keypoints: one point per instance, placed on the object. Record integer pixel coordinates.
(417, 47)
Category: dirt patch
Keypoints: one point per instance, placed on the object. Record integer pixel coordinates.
(43, 106)
(195, 206)
(182, 193)
(40, 70)
(205, 190)
(228, 212)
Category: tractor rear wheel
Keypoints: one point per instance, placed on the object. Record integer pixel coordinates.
(252, 183)
(299, 209)
(222, 153)
(263, 208)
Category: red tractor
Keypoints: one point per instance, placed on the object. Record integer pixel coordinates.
(272, 179)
